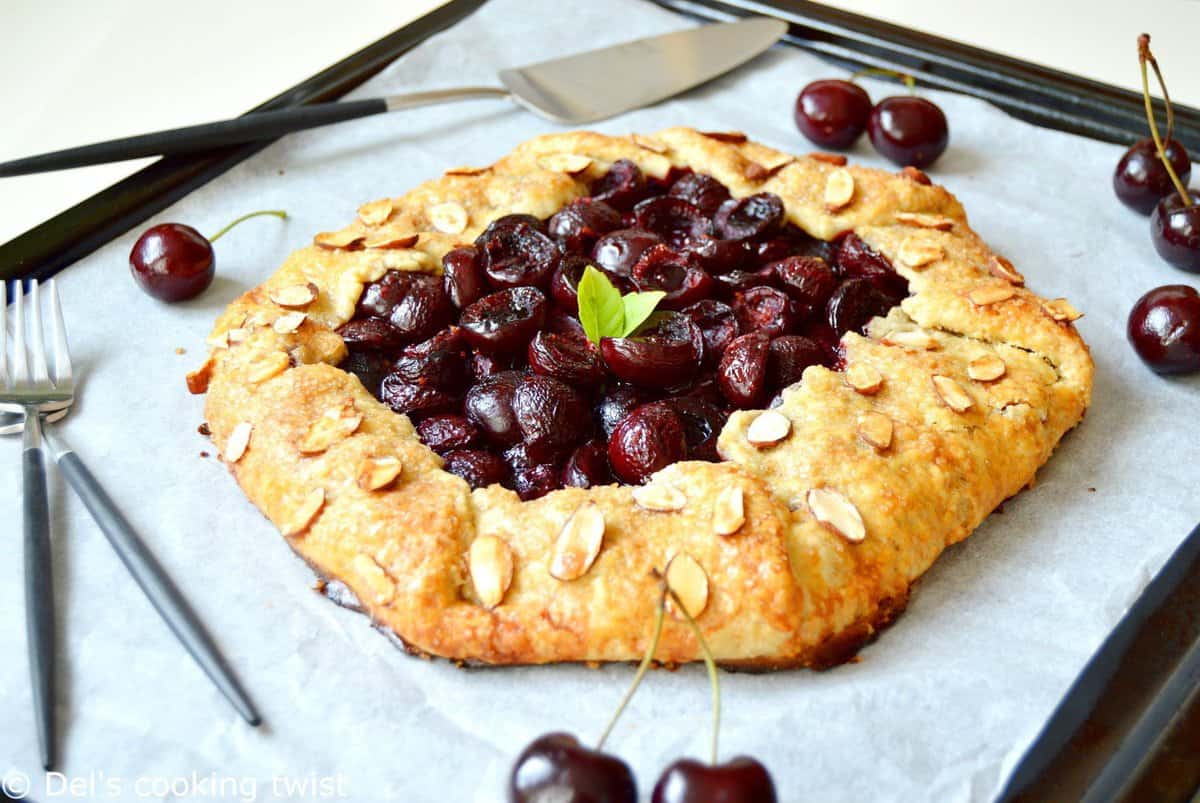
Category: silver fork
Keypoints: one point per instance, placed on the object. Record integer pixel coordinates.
(46, 401)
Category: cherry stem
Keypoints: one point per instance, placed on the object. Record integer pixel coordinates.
(279, 213)
(647, 659)
(908, 80)
(710, 664)
(1146, 57)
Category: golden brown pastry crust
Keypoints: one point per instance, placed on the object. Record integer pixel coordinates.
(921, 468)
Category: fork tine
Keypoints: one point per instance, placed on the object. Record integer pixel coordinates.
(62, 352)
(20, 366)
(37, 336)
(4, 337)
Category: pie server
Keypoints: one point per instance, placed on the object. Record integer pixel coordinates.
(575, 90)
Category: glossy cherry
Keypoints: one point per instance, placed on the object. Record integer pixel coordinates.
(718, 326)
(570, 358)
(650, 438)
(551, 416)
(1175, 231)
(580, 223)
(617, 252)
(742, 371)
(757, 215)
(675, 220)
(832, 113)
(676, 274)
(414, 304)
(765, 309)
(908, 130)
(462, 277)
(517, 253)
(445, 432)
(617, 403)
(587, 466)
(489, 405)
(1164, 329)
(854, 304)
(740, 780)
(556, 767)
(788, 358)
(663, 354)
(701, 191)
(479, 468)
(504, 322)
(1140, 180)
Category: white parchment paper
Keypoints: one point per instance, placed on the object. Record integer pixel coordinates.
(940, 708)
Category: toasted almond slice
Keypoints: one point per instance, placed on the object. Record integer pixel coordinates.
(375, 473)
(732, 137)
(197, 381)
(375, 212)
(387, 242)
(335, 425)
(915, 174)
(875, 429)
(769, 428)
(914, 253)
(649, 143)
(570, 163)
(1061, 310)
(839, 189)
(270, 366)
(912, 339)
(448, 217)
(1000, 267)
(578, 542)
(295, 296)
(235, 336)
(218, 340)
(837, 513)
(304, 514)
(687, 579)
(288, 322)
(491, 564)
(991, 294)
(952, 394)
(345, 240)
(729, 511)
(468, 171)
(838, 159)
(986, 368)
(863, 378)
(372, 575)
(659, 497)
(925, 221)
(239, 439)
(753, 171)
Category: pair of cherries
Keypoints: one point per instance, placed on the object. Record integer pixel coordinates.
(907, 129)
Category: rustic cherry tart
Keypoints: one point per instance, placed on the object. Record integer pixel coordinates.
(840, 380)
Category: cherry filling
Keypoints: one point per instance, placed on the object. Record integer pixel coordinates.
(491, 363)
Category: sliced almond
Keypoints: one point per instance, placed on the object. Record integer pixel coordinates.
(732, 137)
(372, 575)
(659, 497)
(570, 163)
(385, 242)
(729, 511)
(1000, 267)
(915, 174)
(875, 429)
(838, 159)
(334, 426)
(345, 240)
(952, 394)
(911, 339)
(915, 253)
(578, 542)
(270, 366)
(1061, 310)
(491, 563)
(863, 378)
(375, 212)
(649, 143)
(986, 368)
(448, 217)
(295, 296)
(837, 513)
(218, 340)
(768, 428)
(924, 221)
(235, 336)
(468, 171)
(687, 579)
(239, 439)
(304, 514)
(375, 473)
(753, 171)
(288, 322)
(839, 190)
(991, 294)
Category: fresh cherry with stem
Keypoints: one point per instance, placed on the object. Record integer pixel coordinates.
(1175, 224)
(907, 129)
(174, 262)
(832, 113)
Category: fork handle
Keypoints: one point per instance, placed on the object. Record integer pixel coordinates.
(39, 588)
(154, 582)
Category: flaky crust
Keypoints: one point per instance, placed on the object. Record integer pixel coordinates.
(784, 589)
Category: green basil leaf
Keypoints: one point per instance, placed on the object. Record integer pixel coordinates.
(638, 307)
(600, 308)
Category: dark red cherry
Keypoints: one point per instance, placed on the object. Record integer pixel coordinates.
(854, 304)
(444, 432)
(537, 480)
(410, 397)
(172, 262)
(650, 438)
(551, 415)
(564, 283)
(741, 780)
(487, 364)
(489, 405)
(809, 281)
(702, 423)
(663, 354)
(1164, 329)
(739, 281)
(832, 113)
(758, 215)
(580, 223)
(718, 327)
(1175, 231)
(556, 767)
(764, 309)
(1140, 179)
(790, 355)
(504, 322)
(480, 469)
(375, 334)
(369, 367)
(719, 256)
(856, 259)
(415, 304)
(439, 362)
(570, 358)
(617, 403)
(561, 322)
(622, 186)
(701, 191)
(462, 278)
(684, 283)
(908, 130)
(675, 220)
(617, 252)
(517, 254)
(587, 466)
(742, 372)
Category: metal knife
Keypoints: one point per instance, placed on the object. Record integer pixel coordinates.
(577, 89)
